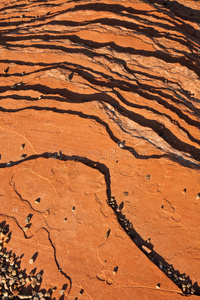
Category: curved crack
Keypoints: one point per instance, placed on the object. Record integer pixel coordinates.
(181, 280)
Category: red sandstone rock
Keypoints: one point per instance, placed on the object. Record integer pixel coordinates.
(76, 79)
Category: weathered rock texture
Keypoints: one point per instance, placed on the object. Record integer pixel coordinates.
(78, 78)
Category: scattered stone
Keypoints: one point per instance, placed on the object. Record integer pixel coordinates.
(73, 208)
(14, 86)
(121, 144)
(62, 292)
(40, 97)
(184, 191)
(27, 220)
(12, 279)
(37, 200)
(25, 228)
(9, 164)
(115, 270)
(6, 70)
(38, 276)
(160, 265)
(108, 233)
(31, 261)
(34, 282)
(27, 280)
(81, 292)
(158, 285)
(198, 196)
(22, 146)
(40, 295)
(23, 156)
(48, 294)
(146, 249)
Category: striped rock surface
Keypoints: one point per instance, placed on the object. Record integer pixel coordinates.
(100, 99)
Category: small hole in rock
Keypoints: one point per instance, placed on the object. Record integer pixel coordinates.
(125, 193)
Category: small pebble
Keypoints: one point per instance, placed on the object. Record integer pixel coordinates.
(40, 295)
(31, 261)
(108, 233)
(47, 294)
(25, 229)
(81, 292)
(115, 270)
(6, 70)
(38, 276)
(27, 280)
(61, 292)
(158, 285)
(37, 200)
(121, 144)
(184, 191)
(22, 146)
(27, 220)
(34, 283)
(146, 249)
